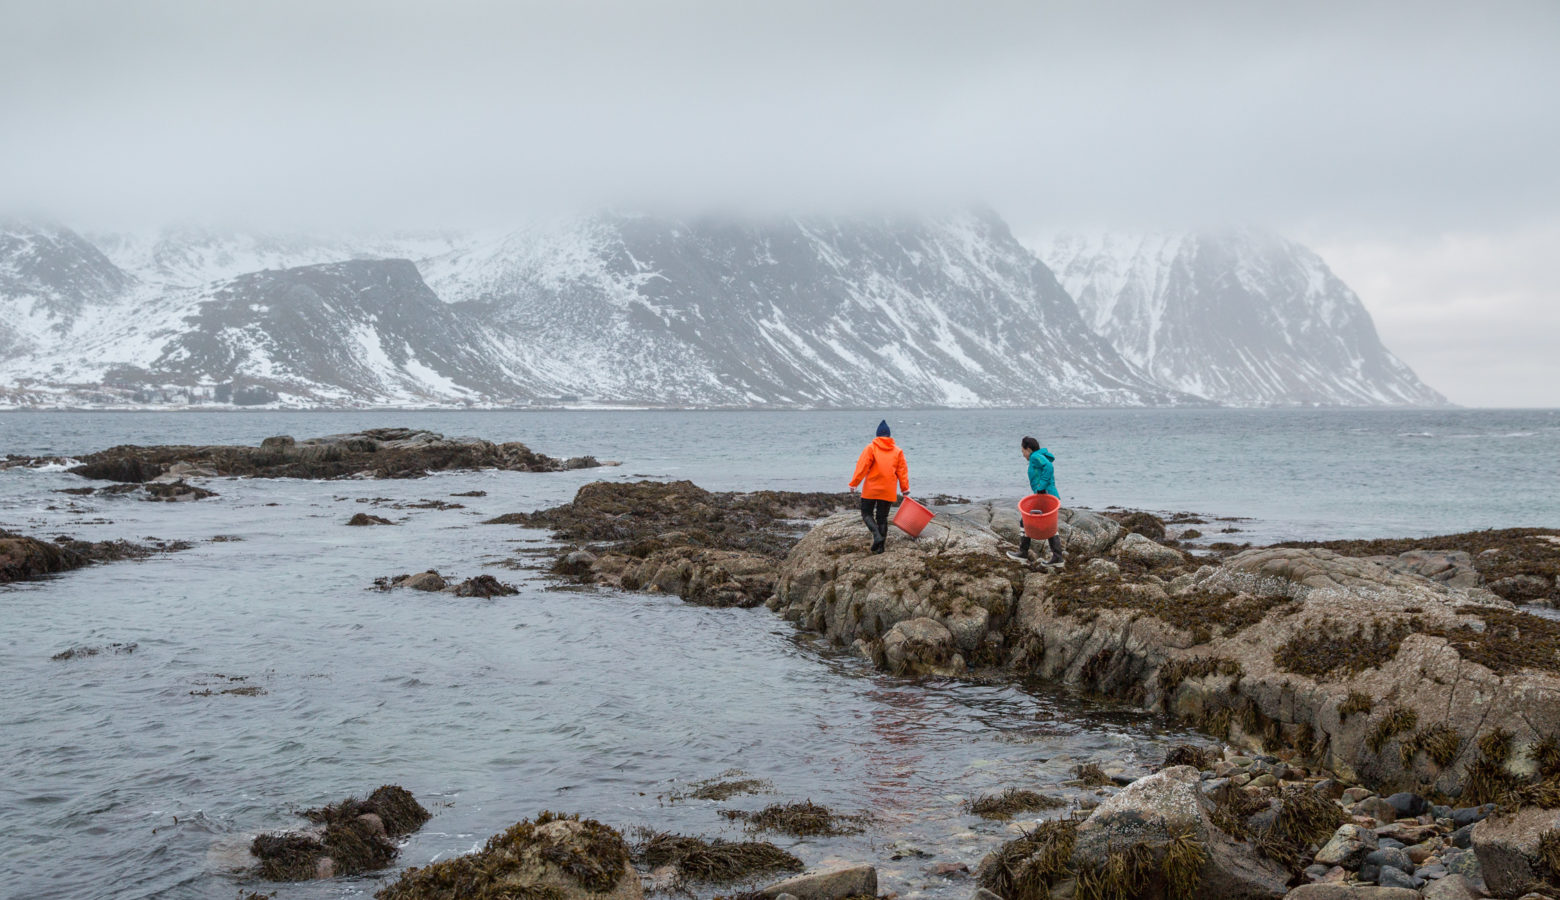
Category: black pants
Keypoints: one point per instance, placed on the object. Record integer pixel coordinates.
(875, 514)
(1055, 542)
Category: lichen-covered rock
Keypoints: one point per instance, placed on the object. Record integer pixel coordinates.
(1269, 649)
(1453, 568)
(1508, 849)
(1085, 533)
(1156, 811)
(1000, 516)
(955, 574)
(554, 857)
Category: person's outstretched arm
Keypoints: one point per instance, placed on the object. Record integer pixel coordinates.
(903, 471)
(863, 464)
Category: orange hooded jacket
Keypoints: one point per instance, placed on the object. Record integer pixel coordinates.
(878, 468)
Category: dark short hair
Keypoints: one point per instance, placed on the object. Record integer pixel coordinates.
(1029, 443)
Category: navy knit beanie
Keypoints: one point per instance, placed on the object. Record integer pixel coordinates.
(883, 428)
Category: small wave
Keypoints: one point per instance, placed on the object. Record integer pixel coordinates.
(63, 466)
(1415, 434)
(1508, 434)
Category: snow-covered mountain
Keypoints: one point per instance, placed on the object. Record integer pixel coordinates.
(1238, 316)
(646, 310)
(796, 311)
(612, 308)
(49, 279)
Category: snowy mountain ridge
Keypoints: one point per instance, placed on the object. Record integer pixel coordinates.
(1238, 315)
(612, 308)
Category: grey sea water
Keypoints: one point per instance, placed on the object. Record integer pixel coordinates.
(120, 776)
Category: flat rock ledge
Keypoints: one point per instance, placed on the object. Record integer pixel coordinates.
(374, 453)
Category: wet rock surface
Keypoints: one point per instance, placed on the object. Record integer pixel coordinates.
(24, 558)
(373, 453)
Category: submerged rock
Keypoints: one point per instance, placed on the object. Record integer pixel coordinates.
(553, 857)
(374, 453)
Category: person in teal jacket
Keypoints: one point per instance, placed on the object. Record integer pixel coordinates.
(1042, 480)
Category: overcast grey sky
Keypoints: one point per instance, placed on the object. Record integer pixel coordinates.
(1413, 143)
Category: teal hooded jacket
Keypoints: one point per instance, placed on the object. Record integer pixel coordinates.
(1042, 475)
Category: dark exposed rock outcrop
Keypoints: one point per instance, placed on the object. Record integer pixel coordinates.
(25, 558)
(374, 453)
(715, 549)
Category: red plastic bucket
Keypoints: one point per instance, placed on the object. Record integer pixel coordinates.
(911, 517)
(1039, 513)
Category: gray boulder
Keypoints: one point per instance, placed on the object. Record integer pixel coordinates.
(828, 884)
(1384, 858)
(1156, 810)
(1086, 533)
(1348, 847)
(1349, 892)
(1393, 877)
(1139, 549)
(1452, 887)
(1507, 848)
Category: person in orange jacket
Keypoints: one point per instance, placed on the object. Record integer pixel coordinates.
(880, 469)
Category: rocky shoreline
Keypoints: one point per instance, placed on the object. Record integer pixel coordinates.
(1403, 667)
(372, 453)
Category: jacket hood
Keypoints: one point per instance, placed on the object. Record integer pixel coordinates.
(1048, 454)
(883, 443)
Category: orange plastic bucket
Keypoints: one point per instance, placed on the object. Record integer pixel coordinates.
(912, 517)
(1039, 513)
